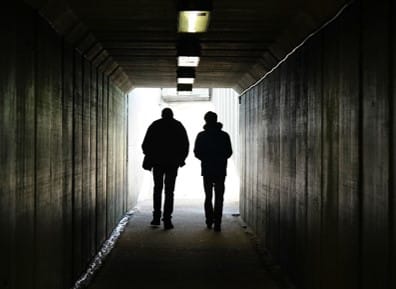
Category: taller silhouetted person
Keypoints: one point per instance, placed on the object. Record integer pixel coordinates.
(165, 147)
(213, 148)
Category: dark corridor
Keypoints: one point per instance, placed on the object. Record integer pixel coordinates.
(317, 130)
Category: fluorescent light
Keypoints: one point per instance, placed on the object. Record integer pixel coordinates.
(183, 80)
(193, 21)
(188, 61)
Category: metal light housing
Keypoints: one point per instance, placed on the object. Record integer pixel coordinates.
(194, 15)
(193, 21)
(184, 87)
(188, 51)
(185, 75)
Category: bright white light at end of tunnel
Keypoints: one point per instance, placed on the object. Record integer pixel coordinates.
(145, 105)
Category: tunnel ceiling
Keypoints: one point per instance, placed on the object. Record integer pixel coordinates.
(136, 39)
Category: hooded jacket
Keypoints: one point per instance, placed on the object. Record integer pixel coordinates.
(213, 148)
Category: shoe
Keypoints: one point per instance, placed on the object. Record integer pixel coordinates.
(155, 222)
(209, 223)
(168, 225)
(217, 228)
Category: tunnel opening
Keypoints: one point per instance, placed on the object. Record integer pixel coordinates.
(145, 105)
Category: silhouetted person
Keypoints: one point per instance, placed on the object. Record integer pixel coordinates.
(213, 148)
(166, 147)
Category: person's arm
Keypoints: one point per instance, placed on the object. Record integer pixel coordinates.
(185, 143)
(147, 141)
(198, 147)
(228, 147)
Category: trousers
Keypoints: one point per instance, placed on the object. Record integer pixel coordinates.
(164, 175)
(213, 214)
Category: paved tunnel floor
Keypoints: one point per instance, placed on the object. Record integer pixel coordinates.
(189, 256)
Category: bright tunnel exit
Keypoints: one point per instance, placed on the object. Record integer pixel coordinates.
(145, 105)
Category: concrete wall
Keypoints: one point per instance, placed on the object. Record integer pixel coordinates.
(62, 155)
(318, 144)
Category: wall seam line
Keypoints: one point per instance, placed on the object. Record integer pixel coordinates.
(360, 148)
(391, 193)
(35, 149)
(316, 32)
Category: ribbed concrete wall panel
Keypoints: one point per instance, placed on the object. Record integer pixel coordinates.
(67, 144)
(8, 116)
(100, 172)
(348, 153)
(375, 144)
(57, 125)
(327, 183)
(110, 161)
(287, 166)
(393, 153)
(314, 161)
(261, 188)
(93, 158)
(48, 153)
(301, 118)
(25, 176)
(242, 155)
(86, 163)
(77, 163)
(330, 155)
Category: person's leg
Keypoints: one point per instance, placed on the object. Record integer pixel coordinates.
(170, 180)
(219, 199)
(208, 187)
(158, 175)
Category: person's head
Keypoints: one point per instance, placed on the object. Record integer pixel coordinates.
(210, 117)
(167, 113)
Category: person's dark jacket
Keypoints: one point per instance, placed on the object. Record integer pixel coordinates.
(213, 148)
(166, 142)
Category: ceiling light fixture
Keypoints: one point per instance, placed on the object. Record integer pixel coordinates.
(193, 21)
(188, 51)
(185, 75)
(184, 87)
(188, 61)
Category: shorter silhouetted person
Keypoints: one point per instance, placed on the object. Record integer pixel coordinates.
(213, 148)
(165, 147)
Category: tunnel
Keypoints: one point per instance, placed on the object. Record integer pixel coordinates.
(306, 89)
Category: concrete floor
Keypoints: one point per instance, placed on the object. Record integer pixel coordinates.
(189, 256)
